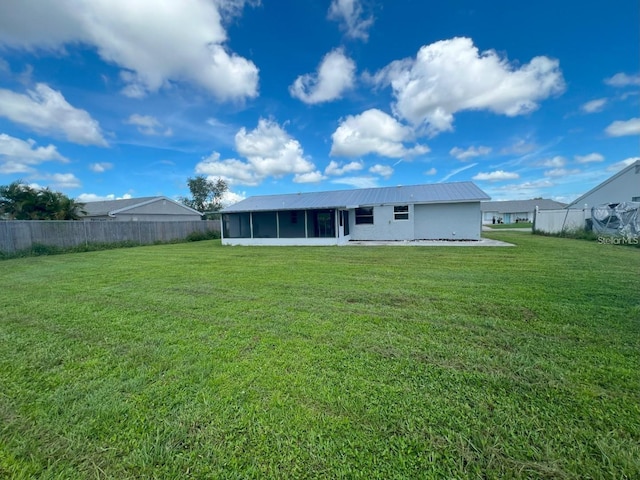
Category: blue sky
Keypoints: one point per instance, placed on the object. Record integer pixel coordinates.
(108, 99)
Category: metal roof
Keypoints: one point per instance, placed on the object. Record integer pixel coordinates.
(401, 195)
(520, 206)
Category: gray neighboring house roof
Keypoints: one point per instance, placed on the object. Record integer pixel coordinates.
(402, 195)
(517, 206)
(113, 207)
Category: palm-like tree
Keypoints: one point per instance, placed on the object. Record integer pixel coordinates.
(22, 202)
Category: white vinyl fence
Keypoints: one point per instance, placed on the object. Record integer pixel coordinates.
(16, 235)
(561, 220)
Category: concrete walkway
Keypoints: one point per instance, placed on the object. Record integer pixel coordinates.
(485, 242)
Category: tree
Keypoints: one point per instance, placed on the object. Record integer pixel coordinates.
(206, 194)
(22, 202)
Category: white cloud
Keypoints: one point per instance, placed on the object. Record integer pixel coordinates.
(154, 41)
(431, 171)
(352, 19)
(469, 153)
(100, 167)
(61, 180)
(621, 128)
(271, 150)
(520, 147)
(148, 125)
(594, 105)
(452, 75)
(496, 176)
(311, 177)
(373, 131)
(560, 172)
(335, 75)
(555, 162)
(590, 158)
(335, 168)
(20, 156)
(92, 197)
(357, 182)
(232, 170)
(623, 80)
(622, 164)
(382, 170)
(46, 111)
(229, 197)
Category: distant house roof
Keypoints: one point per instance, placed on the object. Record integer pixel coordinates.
(634, 166)
(518, 206)
(433, 193)
(113, 207)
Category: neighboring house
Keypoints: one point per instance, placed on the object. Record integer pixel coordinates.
(449, 211)
(624, 186)
(145, 209)
(513, 211)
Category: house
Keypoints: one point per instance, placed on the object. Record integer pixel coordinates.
(144, 209)
(624, 186)
(513, 211)
(441, 211)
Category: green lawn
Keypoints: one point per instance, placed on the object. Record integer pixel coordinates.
(200, 361)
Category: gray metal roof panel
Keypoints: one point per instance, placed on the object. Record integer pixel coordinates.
(430, 193)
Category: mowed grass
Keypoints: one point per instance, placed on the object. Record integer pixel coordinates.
(202, 361)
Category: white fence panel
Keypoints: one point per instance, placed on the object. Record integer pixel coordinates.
(556, 221)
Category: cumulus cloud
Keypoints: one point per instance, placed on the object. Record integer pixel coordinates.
(431, 171)
(232, 170)
(496, 176)
(311, 177)
(352, 18)
(148, 125)
(621, 128)
(335, 75)
(374, 131)
(61, 180)
(590, 158)
(450, 76)
(623, 80)
(46, 111)
(594, 105)
(269, 151)
(335, 168)
(383, 170)
(469, 153)
(100, 167)
(146, 38)
(20, 156)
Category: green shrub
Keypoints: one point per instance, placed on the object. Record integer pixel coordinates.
(206, 235)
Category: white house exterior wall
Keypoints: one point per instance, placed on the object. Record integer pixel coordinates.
(447, 221)
(134, 217)
(384, 226)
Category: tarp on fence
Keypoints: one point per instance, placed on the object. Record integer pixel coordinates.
(617, 219)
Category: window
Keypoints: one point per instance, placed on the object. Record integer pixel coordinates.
(294, 217)
(401, 212)
(635, 199)
(364, 215)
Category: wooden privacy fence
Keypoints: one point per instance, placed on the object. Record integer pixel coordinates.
(16, 235)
